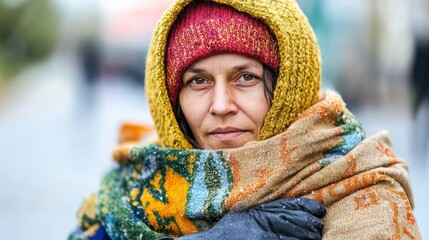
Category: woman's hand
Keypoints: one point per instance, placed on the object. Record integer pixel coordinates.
(290, 218)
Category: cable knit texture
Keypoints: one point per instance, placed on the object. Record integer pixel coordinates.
(297, 86)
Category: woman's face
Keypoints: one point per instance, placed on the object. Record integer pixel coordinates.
(223, 100)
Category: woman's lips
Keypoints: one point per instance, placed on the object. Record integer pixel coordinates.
(227, 133)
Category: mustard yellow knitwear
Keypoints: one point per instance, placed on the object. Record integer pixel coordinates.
(298, 84)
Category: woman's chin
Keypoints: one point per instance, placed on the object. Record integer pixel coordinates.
(224, 142)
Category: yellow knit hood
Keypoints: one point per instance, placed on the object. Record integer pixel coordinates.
(299, 79)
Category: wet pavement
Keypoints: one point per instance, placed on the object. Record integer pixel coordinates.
(56, 138)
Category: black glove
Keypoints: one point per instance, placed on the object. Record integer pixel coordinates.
(290, 218)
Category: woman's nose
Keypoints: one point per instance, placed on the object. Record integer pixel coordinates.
(223, 101)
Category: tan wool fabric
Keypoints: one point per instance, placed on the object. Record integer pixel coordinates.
(366, 190)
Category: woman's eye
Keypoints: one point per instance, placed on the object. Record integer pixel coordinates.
(198, 81)
(247, 77)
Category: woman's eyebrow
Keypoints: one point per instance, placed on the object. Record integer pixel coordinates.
(236, 68)
(246, 66)
(196, 70)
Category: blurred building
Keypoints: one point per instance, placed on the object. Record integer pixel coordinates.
(25, 37)
(366, 47)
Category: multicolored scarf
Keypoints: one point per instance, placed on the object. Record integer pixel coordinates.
(323, 155)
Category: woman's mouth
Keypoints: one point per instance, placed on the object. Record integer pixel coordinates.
(227, 133)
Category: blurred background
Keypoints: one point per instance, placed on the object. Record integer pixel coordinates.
(72, 71)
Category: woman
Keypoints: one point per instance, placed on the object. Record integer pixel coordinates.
(234, 90)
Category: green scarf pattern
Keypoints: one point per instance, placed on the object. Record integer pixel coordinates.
(323, 155)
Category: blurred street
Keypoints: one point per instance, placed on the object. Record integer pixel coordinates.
(55, 145)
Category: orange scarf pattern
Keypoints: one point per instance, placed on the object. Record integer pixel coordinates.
(322, 155)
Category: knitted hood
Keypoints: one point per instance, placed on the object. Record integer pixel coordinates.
(298, 83)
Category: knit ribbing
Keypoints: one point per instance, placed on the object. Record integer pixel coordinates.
(205, 29)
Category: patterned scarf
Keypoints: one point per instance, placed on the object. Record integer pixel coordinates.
(323, 155)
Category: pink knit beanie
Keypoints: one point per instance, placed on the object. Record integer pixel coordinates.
(205, 29)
